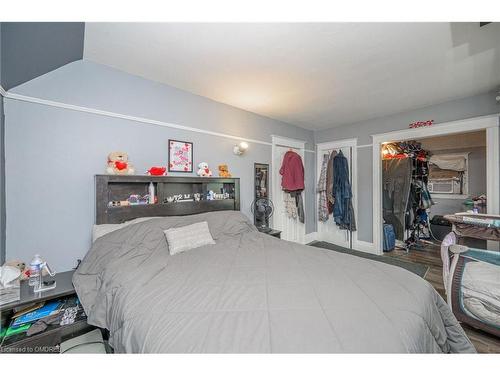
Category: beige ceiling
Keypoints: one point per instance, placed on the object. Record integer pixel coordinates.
(312, 75)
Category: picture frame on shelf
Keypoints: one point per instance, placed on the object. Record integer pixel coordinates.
(180, 156)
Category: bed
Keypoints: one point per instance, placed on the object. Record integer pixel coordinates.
(253, 293)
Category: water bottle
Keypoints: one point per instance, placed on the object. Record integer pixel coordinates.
(151, 191)
(35, 271)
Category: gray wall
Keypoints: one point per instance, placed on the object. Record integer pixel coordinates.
(31, 49)
(2, 166)
(477, 180)
(478, 105)
(2, 183)
(50, 204)
(27, 50)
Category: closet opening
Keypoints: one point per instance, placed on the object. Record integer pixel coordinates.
(337, 193)
(425, 179)
(288, 188)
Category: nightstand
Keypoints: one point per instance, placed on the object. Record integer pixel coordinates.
(272, 232)
(49, 340)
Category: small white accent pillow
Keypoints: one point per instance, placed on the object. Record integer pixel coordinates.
(188, 237)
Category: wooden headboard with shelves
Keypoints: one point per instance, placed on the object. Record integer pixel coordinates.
(113, 188)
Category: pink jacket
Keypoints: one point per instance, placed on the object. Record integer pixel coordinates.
(292, 171)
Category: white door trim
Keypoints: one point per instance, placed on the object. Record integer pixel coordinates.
(348, 142)
(489, 123)
(297, 144)
(278, 140)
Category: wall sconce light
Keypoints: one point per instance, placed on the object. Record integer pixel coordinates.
(240, 149)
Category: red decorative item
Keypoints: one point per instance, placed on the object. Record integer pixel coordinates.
(421, 124)
(120, 165)
(157, 171)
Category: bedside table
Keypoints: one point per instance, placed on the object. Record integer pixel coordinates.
(49, 340)
(272, 232)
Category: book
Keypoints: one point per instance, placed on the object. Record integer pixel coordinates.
(14, 330)
(46, 310)
(28, 309)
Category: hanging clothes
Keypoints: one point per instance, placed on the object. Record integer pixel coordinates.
(292, 181)
(299, 203)
(292, 172)
(343, 211)
(396, 177)
(323, 213)
(290, 206)
(329, 182)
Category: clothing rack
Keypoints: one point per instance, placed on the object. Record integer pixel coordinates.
(328, 152)
(417, 208)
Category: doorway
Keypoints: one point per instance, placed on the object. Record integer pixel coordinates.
(423, 180)
(488, 124)
(328, 230)
(291, 227)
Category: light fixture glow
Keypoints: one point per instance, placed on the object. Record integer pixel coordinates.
(240, 149)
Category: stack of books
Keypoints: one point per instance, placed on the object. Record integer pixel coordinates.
(23, 319)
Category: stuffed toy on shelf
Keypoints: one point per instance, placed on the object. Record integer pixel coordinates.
(224, 170)
(118, 164)
(21, 266)
(203, 170)
(157, 171)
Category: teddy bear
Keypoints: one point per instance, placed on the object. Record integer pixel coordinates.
(224, 171)
(118, 164)
(19, 265)
(203, 170)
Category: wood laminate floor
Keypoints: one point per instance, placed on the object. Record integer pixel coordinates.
(430, 256)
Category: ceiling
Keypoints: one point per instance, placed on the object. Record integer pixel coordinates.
(314, 75)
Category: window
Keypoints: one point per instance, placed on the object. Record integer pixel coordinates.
(449, 175)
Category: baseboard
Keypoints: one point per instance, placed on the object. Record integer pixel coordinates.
(310, 237)
(367, 247)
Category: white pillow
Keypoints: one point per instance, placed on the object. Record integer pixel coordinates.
(188, 237)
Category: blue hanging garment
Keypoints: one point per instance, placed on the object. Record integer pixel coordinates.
(343, 211)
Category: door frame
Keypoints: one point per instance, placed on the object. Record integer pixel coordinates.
(348, 142)
(300, 145)
(488, 123)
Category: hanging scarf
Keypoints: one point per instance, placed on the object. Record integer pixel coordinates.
(323, 213)
(329, 182)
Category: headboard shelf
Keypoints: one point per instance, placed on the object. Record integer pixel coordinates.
(117, 188)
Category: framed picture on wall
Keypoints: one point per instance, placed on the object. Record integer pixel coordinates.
(180, 156)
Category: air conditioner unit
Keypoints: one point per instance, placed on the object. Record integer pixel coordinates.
(442, 186)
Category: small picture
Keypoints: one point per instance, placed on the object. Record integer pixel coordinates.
(180, 156)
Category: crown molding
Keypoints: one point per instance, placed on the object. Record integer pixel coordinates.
(51, 103)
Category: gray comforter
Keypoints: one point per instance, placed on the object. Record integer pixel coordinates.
(251, 292)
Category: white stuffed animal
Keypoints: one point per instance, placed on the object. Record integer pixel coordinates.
(203, 170)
